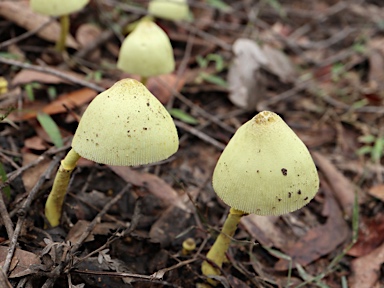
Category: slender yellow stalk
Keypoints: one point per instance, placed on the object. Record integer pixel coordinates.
(144, 80)
(64, 23)
(55, 200)
(217, 252)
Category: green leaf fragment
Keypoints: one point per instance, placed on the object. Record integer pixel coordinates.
(51, 128)
(183, 116)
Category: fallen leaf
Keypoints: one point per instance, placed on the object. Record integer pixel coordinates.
(20, 13)
(171, 223)
(371, 235)
(377, 191)
(35, 143)
(279, 64)
(366, 269)
(104, 228)
(32, 175)
(264, 230)
(320, 240)
(153, 183)
(246, 85)
(71, 100)
(26, 76)
(340, 185)
(86, 34)
(163, 86)
(21, 262)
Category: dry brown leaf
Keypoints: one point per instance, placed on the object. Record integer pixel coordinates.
(32, 175)
(162, 86)
(35, 143)
(20, 13)
(264, 230)
(371, 235)
(320, 240)
(366, 269)
(20, 263)
(153, 183)
(71, 100)
(81, 226)
(377, 191)
(26, 76)
(246, 86)
(279, 64)
(88, 33)
(340, 185)
(171, 223)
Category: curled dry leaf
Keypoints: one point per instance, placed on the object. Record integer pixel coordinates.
(264, 230)
(320, 240)
(153, 183)
(21, 14)
(340, 185)
(21, 262)
(245, 78)
(366, 269)
(246, 85)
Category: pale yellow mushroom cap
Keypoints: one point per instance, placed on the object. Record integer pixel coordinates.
(57, 7)
(265, 168)
(147, 51)
(126, 125)
(169, 9)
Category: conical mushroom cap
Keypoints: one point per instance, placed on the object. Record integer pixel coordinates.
(170, 10)
(147, 51)
(126, 125)
(57, 7)
(265, 168)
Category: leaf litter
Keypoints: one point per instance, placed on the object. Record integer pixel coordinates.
(311, 62)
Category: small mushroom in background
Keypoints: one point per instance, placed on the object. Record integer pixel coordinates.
(124, 125)
(62, 9)
(146, 51)
(170, 10)
(266, 170)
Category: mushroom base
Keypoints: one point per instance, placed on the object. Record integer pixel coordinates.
(216, 254)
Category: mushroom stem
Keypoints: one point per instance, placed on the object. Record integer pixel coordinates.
(217, 252)
(54, 204)
(64, 23)
(144, 80)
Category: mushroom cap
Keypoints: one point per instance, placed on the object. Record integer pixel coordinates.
(57, 7)
(265, 168)
(170, 10)
(126, 125)
(147, 51)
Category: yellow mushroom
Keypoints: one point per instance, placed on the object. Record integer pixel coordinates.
(62, 9)
(266, 170)
(169, 9)
(146, 51)
(124, 125)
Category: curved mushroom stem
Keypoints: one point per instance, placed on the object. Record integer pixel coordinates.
(217, 252)
(54, 204)
(64, 23)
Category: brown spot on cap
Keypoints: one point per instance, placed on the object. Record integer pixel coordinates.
(284, 171)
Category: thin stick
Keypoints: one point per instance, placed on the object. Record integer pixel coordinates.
(23, 212)
(52, 71)
(5, 216)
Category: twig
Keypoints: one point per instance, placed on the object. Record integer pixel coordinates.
(5, 216)
(11, 176)
(26, 34)
(52, 71)
(199, 134)
(98, 217)
(23, 212)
